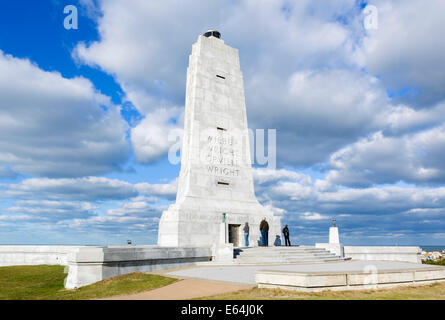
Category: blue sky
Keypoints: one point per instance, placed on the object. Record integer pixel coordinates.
(85, 115)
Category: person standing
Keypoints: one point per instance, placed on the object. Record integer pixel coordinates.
(286, 235)
(246, 234)
(264, 228)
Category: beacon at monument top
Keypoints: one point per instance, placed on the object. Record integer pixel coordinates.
(212, 33)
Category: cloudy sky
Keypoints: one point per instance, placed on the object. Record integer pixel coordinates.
(359, 114)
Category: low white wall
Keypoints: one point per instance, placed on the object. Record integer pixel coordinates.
(34, 255)
(89, 265)
(348, 280)
(384, 253)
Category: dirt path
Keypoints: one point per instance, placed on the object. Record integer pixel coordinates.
(183, 290)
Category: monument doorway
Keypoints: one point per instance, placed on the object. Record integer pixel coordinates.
(234, 234)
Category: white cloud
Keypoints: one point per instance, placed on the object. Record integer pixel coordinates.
(402, 119)
(286, 56)
(167, 190)
(7, 173)
(89, 194)
(45, 210)
(316, 112)
(108, 223)
(276, 211)
(263, 175)
(360, 213)
(293, 190)
(87, 205)
(413, 158)
(58, 127)
(150, 138)
(313, 216)
(139, 206)
(310, 71)
(407, 49)
(15, 218)
(89, 188)
(148, 53)
(303, 72)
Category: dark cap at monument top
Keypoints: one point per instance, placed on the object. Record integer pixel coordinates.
(212, 33)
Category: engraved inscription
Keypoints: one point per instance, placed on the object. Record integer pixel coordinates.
(223, 171)
(220, 154)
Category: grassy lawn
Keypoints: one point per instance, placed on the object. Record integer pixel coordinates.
(440, 262)
(46, 282)
(434, 291)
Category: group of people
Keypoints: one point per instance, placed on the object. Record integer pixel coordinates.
(264, 229)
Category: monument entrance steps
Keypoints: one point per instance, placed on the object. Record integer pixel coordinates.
(283, 255)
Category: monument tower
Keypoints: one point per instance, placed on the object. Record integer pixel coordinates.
(215, 196)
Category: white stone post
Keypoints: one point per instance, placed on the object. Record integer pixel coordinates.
(333, 235)
(222, 233)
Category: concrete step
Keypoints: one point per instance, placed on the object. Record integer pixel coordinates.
(265, 251)
(279, 248)
(288, 259)
(285, 262)
(282, 255)
(278, 253)
(282, 249)
(285, 259)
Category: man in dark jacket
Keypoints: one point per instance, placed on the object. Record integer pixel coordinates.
(264, 228)
(286, 235)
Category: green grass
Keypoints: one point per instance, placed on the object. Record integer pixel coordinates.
(47, 282)
(440, 262)
(434, 291)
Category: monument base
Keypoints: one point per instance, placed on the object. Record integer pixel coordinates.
(222, 252)
(198, 222)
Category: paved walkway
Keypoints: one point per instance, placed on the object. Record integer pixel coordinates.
(184, 290)
(206, 280)
(246, 274)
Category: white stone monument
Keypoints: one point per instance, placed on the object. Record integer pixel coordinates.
(215, 195)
